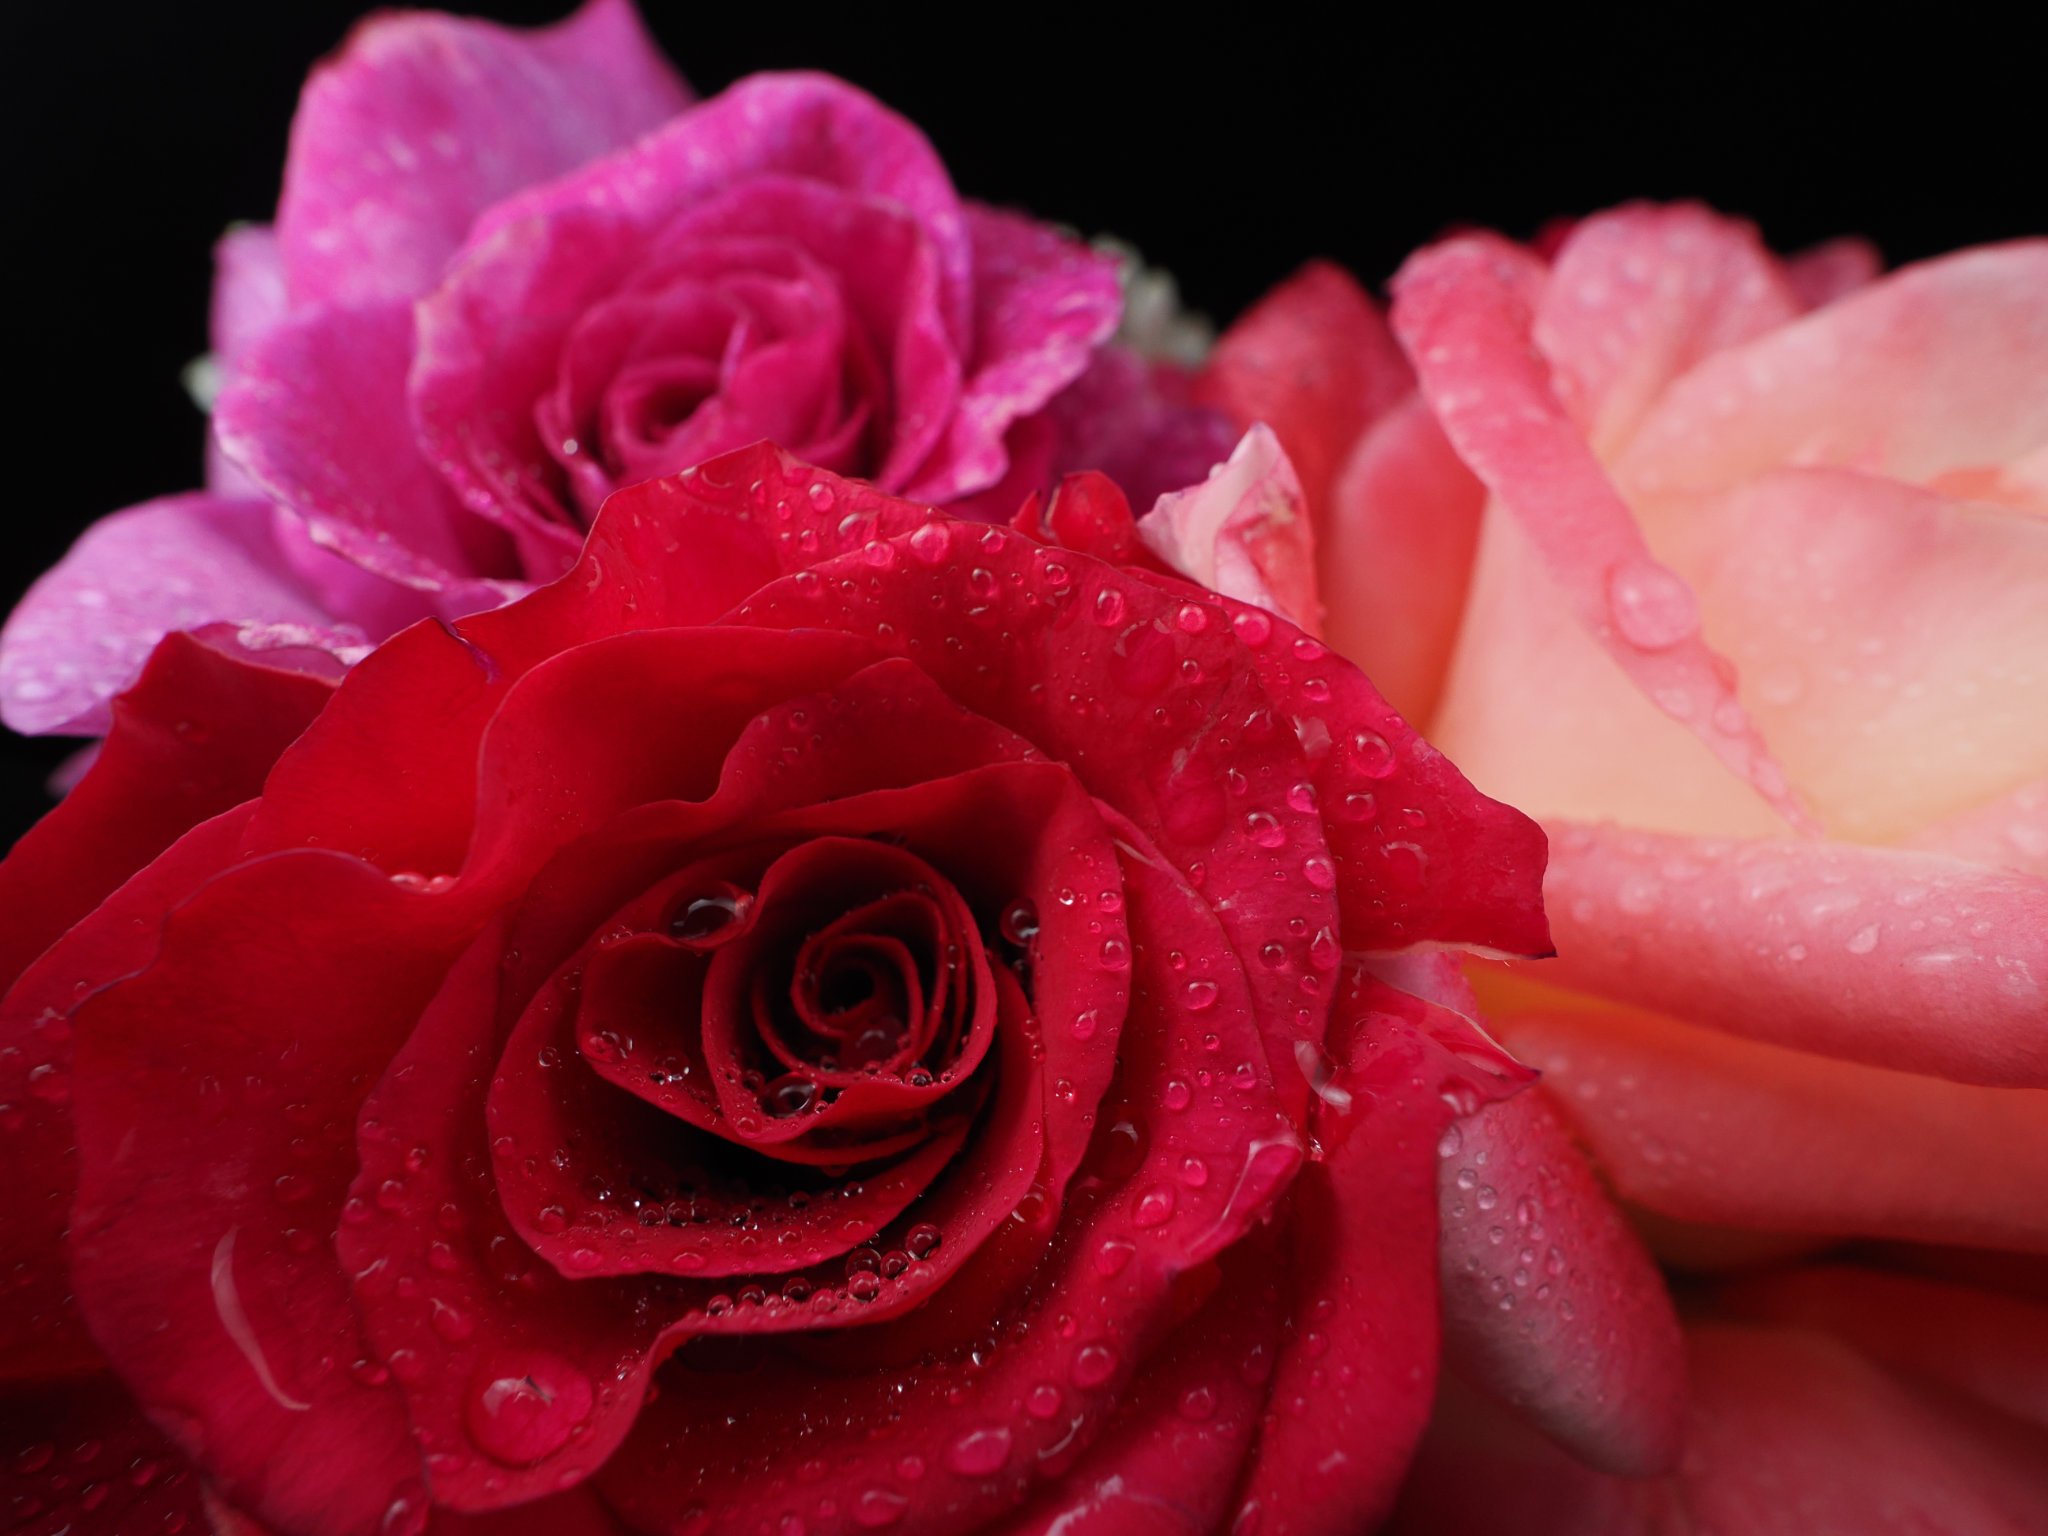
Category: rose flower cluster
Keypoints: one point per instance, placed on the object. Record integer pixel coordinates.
(761, 863)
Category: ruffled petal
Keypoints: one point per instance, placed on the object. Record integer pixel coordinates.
(1244, 532)
(423, 121)
(1042, 304)
(84, 629)
(318, 419)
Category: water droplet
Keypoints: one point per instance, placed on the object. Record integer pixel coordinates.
(1093, 1365)
(1116, 954)
(933, 542)
(1371, 755)
(1201, 995)
(1020, 921)
(713, 916)
(1319, 871)
(878, 1507)
(525, 1405)
(1252, 626)
(1652, 607)
(1198, 1404)
(1863, 940)
(1155, 1207)
(980, 1452)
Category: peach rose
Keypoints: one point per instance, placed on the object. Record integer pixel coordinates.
(1734, 571)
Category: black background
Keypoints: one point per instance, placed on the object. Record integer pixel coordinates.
(1228, 149)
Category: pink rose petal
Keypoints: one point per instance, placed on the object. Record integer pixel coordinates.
(1638, 295)
(1464, 310)
(423, 121)
(1243, 532)
(1833, 270)
(317, 418)
(248, 299)
(2010, 832)
(1892, 644)
(1550, 1301)
(1042, 304)
(1902, 960)
(1395, 543)
(81, 634)
(1937, 367)
(1789, 1434)
(1707, 1127)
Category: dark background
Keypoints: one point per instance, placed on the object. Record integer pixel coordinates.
(1228, 149)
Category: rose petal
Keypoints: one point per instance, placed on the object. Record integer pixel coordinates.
(1244, 532)
(1316, 363)
(84, 629)
(1042, 304)
(1395, 542)
(808, 127)
(1637, 295)
(1550, 1302)
(1352, 1381)
(248, 299)
(1706, 1127)
(1465, 310)
(1833, 270)
(219, 1299)
(423, 121)
(1170, 1461)
(1937, 367)
(1901, 960)
(1993, 1347)
(1885, 638)
(76, 1456)
(317, 418)
(1789, 1434)
(2009, 832)
(924, 1439)
(1135, 422)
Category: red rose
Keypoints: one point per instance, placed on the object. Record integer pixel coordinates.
(826, 1018)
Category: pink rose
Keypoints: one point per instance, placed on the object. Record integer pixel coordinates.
(513, 271)
(1748, 556)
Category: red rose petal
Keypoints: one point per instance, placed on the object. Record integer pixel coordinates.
(922, 1444)
(78, 1457)
(1900, 960)
(193, 737)
(1550, 1301)
(1171, 1459)
(1352, 1383)
(218, 1299)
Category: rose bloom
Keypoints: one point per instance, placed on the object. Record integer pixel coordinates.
(513, 270)
(1732, 570)
(829, 1017)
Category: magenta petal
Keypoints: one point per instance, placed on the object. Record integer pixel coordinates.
(422, 121)
(1042, 304)
(1550, 1301)
(804, 126)
(83, 631)
(248, 299)
(318, 419)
